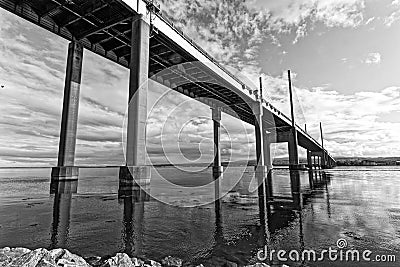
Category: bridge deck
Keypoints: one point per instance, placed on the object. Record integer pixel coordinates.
(104, 27)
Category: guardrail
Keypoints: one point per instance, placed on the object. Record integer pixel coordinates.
(201, 50)
(213, 60)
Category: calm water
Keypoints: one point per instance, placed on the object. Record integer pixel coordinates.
(361, 205)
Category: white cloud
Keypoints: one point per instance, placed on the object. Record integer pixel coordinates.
(390, 20)
(232, 31)
(370, 20)
(373, 58)
(290, 15)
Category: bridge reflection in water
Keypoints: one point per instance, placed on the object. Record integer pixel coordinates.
(280, 212)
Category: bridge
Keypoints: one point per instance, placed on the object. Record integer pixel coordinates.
(134, 34)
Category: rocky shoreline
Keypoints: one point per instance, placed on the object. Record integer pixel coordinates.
(23, 257)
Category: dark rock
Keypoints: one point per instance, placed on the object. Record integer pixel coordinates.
(353, 235)
(230, 264)
(171, 261)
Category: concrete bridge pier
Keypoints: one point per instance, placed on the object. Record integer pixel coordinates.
(267, 162)
(295, 189)
(330, 164)
(323, 160)
(309, 160)
(311, 179)
(260, 168)
(63, 191)
(65, 169)
(318, 159)
(136, 172)
(293, 151)
(314, 161)
(217, 167)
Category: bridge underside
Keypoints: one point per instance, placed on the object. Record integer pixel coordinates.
(105, 28)
(130, 34)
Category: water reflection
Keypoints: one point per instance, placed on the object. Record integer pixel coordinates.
(62, 191)
(278, 212)
(133, 199)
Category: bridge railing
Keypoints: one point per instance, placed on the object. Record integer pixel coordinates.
(201, 50)
(213, 60)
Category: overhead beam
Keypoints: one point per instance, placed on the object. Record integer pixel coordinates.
(102, 27)
(114, 36)
(89, 11)
(49, 11)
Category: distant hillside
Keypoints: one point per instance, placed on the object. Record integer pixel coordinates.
(341, 161)
(368, 161)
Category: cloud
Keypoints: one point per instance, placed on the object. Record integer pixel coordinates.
(390, 20)
(373, 58)
(370, 20)
(32, 67)
(232, 31)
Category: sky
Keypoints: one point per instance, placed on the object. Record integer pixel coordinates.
(343, 54)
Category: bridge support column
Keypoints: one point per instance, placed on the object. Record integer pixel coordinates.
(65, 169)
(293, 150)
(319, 162)
(217, 167)
(260, 169)
(136, 172)
(323, 160)
(309, 160)
(295, 188)
(268, 163)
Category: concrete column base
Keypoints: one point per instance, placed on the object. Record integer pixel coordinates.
(261, 174)
(217, 171)
(64, 187)
(132, 178)
(261, 170)
(64, 173)
(298, 167)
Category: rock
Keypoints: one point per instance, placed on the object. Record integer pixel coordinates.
(57, 253)
(94, 261)
(137, 262)
(63, 257)
(33, 258)
(353, 235)
(259, 265)
(230, 264)
(171, 261)
(14, 252)
(119, 260)
(201, 265)
(46, 262)
(4, 257)
(151, 263)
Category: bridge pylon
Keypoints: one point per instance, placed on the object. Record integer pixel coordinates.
(136, 172)
(65, 169)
